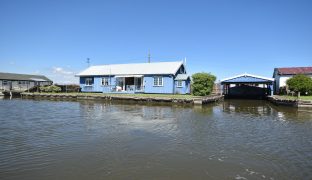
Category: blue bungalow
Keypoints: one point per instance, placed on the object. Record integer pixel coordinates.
(158, 77)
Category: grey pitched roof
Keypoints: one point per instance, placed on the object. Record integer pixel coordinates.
(182, 77)
(23, 77)
(137, 68)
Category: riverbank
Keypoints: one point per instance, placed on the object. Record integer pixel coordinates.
(291, 101)
(162, 98)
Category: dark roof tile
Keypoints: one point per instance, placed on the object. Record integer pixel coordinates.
(294, 70)
(23, 77)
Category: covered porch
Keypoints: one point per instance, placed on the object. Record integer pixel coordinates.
(129, 84)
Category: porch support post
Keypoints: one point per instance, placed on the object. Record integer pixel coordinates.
(135, 83)
(267, 89)
(272, 91)
(226, 89)
(124, 83)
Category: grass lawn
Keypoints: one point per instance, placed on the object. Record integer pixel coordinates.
(294, 97)
(175, 96)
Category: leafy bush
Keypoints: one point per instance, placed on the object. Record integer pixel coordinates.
(300, 83)
(51, 88)
(202, 84)
(42, 89)
(69, 87)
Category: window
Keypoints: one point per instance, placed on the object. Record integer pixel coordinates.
(179, 83)
(88, 81)
(5, 83)
(158, 81)
(105, 81)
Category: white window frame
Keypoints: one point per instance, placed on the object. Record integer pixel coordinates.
(89, 82)
(179, 83)
(105, 81)
(158, 81)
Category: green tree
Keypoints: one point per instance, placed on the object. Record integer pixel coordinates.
(202, 83)
(300, 83)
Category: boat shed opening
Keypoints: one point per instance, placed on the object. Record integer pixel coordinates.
(247, 86)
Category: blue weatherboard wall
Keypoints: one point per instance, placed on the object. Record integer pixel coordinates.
(185, 89)
(106, 89)
(83, 87)
(167, 88)
(97, 84)
(169, 85)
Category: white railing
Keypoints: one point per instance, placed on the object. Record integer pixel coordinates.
(134, 88)
(128, 88)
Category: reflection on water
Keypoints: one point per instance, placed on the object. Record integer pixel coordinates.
(234, 139)
(260, 108)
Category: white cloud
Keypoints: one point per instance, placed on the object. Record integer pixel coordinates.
(59, 70)
(61, 75)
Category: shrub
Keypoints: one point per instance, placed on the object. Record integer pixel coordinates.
(69, 87)
(42, 89)
(51, 88)
(202, 84)
(54, 88)
(300, 83)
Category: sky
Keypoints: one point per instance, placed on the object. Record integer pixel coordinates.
(222, 37)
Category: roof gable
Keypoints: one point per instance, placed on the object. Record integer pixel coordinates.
(137, 68)
(247, 78)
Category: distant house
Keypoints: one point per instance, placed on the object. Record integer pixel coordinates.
(21, 82)
(282, 74)
(158, 77)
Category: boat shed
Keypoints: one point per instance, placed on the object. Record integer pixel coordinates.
(21, 82)
(247, 86)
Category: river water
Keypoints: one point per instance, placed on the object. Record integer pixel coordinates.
(234, 139)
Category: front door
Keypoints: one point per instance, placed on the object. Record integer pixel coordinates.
(129, 81)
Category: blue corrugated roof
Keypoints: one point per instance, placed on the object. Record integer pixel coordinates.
(247, 78)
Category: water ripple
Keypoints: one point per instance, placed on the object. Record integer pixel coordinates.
(96, 140)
